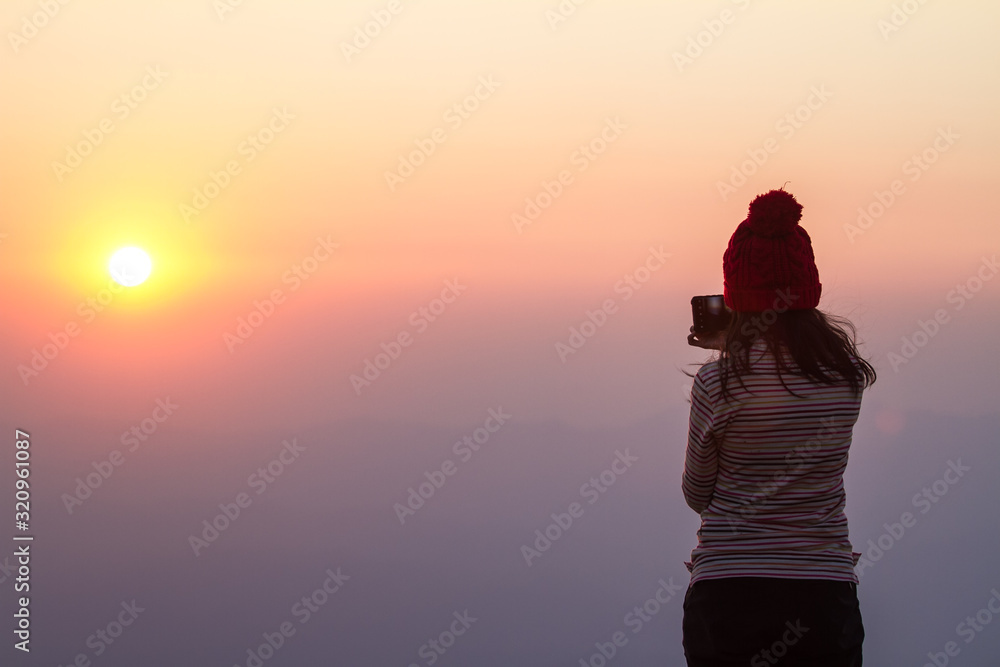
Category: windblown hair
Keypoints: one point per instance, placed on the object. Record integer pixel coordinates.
(822, 348)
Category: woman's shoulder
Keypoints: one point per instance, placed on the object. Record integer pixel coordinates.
(708, 377)
(708, 371)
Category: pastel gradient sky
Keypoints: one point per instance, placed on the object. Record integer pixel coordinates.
(833, 98)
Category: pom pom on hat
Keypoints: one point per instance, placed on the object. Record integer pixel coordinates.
(775, 213)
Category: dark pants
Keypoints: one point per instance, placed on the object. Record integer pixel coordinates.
(764, 621)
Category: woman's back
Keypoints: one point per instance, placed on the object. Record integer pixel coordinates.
(765, 470)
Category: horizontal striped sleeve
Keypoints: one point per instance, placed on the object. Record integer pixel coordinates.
(701, 460)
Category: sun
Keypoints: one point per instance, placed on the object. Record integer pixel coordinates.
(130, 266)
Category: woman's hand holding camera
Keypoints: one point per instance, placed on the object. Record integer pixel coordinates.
(709, 340)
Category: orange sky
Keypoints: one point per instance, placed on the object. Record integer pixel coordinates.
(171, 99)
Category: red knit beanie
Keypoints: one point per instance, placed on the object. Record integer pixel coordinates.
(769, 262)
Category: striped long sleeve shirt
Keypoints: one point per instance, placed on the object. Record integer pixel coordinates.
(764, 469)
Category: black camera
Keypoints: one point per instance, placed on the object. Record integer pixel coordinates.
(711, 314)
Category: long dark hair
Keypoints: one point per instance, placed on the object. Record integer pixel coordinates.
(822, 348)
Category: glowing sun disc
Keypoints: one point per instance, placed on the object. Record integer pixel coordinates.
(130, 266)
